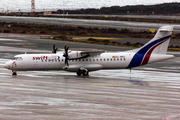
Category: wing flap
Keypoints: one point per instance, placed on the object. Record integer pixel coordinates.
(92, 53)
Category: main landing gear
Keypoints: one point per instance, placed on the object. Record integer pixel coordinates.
(14, 73)
(83, 72)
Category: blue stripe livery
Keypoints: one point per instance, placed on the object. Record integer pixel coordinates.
(138, 57)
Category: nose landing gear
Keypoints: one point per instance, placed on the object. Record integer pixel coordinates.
(14, 73)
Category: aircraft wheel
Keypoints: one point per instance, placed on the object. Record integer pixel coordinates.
(85, 73)
(79, 72)
(82, 73)
(14, 73)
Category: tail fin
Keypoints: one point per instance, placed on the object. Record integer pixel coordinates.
(157, 45)
(160, 42)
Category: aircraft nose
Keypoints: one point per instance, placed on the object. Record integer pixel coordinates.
(7, 65)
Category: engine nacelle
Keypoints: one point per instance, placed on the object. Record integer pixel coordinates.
(74, 54)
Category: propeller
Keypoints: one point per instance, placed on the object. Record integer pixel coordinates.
(66, 54)
(54, 50)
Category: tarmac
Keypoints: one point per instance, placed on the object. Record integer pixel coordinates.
(148, 92)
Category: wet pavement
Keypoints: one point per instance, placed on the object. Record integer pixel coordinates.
(149, 92)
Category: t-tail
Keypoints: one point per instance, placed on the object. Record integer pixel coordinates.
(153, 51)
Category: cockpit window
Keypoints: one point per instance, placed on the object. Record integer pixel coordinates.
(17, 58)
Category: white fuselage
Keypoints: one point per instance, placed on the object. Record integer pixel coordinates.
(33, 62)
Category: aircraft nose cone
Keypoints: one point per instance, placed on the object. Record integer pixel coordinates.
(7, 65)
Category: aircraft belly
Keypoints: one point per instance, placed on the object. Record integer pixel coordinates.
(97, 66)
(89, 67)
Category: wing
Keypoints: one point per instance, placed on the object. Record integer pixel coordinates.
(92, 53)
(84, 54)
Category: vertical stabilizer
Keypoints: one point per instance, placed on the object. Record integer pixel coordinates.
(157, 45)
(160, 42)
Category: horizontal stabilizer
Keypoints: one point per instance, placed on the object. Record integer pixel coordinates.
(165, 30)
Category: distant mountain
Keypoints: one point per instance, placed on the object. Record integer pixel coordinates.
(165, 9)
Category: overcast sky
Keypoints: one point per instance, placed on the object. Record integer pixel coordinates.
(73, 4)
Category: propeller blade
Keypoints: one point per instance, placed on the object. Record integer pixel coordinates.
(54, 49)
(65, 46)
(67, 51)
(65, 60)
(67, 63)
(66, 54)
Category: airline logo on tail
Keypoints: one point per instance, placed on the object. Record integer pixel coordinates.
(143, 55)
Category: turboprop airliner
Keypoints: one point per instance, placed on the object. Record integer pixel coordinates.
(82, 62)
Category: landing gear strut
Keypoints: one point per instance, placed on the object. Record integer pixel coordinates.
(14, 73)
(83, 72)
